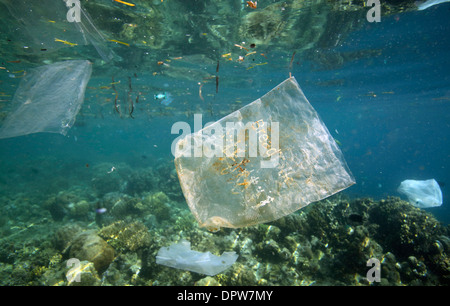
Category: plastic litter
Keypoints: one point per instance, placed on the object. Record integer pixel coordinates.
(42, 23)
(180, 256)
(426, 4)
(422, 194)
(48, 99)
(277, 158)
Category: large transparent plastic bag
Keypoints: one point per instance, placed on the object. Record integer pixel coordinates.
(262, 162)
(48, 99)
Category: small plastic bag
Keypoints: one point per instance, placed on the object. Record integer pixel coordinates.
(422, 194)
(180, 256)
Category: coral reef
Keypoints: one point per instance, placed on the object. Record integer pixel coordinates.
(84, 274)
(157, 204)
(89, 246)
(140, 181)
(327, 243)
(80, 209)
(106, 178)
(125, 237)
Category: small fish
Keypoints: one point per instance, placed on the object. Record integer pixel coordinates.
(338, 142)
(160, 96)
(252, 4)
(126, 3)
(66, 42)
(166, 98)
(120, 42)
(101, 210)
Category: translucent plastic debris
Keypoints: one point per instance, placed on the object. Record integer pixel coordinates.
(429, 3)
(261, 162)
(180, 256)
(422, 194)
(48, 99)
(48, 25)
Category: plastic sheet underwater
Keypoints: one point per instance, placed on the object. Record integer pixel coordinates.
(180, 256)
(422, 194)
(48, 99)
(260, 163)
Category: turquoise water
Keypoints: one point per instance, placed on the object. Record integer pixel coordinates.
(383, 91)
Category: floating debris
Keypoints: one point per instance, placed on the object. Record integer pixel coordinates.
(126, 3)
(120, 42)
(217, 77)
(200, 91)
(66, 42)
(241, 47)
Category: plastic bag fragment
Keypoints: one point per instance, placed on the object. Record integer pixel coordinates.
(429, 3)
(260, 163)
(45, 25)
(180, 256)
(48, 99)
(422, 194)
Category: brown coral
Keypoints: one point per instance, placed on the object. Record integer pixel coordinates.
(125, 236)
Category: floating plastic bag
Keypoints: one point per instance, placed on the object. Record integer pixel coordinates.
(180, 256)
(48, 99)
(262, 162)
(422, 194)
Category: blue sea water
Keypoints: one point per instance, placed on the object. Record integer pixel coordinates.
(393, 117)
(389, 112)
